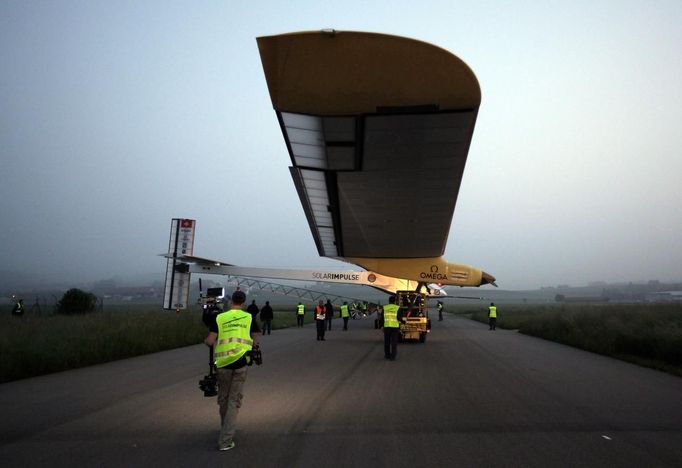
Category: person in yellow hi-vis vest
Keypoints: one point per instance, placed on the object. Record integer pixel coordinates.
(300, 314)
(392, 318)
(492, 316)
(345, 315)
(232, 335)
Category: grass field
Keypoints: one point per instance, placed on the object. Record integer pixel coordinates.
(40, 344)
(646, 334)
(33, 345)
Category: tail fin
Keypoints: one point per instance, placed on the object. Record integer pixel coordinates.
(176, 290)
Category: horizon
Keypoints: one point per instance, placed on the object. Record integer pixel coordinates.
(157, 280)
(112, 124)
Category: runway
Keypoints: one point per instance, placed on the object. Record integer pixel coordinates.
(467, 397)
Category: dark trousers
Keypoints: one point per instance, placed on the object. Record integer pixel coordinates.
(440, 315)
(329, 323)
(493, 322)
(267, 326)
(320, 329)
(299, 320)
(345, 323)
(391, 342)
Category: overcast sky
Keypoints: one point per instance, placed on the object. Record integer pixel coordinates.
(117, 116)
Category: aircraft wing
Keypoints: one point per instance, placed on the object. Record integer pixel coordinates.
(378, 129)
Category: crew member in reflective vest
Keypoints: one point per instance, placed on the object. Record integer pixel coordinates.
(392, 317)
(300, 313)
(319, 320)
(345, 315)
(439, 306)
(492, 316)
(232, 336)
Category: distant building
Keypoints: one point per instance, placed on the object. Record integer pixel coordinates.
(597, 284)
(585, 299)
(133, 293)
(664, 296)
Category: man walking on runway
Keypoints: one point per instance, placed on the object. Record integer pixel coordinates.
(392, 317)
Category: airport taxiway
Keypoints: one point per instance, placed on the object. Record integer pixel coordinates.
(467, 397)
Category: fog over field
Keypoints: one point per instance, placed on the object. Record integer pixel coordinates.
(117, 116)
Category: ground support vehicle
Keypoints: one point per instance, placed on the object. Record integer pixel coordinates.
(415, 324)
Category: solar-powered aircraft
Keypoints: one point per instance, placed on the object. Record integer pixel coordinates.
(378, 129)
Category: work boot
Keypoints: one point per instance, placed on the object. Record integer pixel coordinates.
(225, 447)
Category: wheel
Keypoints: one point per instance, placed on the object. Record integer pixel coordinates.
(422, 337)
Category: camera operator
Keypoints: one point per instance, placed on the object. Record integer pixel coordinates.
(234, 336)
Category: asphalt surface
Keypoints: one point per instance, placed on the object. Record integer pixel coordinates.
(468, 397)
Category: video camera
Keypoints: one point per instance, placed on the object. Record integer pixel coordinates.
(256, 356)
(209, 384)
(213, 296)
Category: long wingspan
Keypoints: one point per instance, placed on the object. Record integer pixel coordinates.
(378, 129)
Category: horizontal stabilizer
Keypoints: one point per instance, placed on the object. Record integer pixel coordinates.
(202, 261)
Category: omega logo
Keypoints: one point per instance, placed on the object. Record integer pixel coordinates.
(433, 275)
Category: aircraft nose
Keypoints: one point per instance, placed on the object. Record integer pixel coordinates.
(487, 278)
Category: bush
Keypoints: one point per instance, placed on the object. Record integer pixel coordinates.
(76, 301)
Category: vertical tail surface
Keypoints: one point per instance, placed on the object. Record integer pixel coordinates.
(176, 290)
